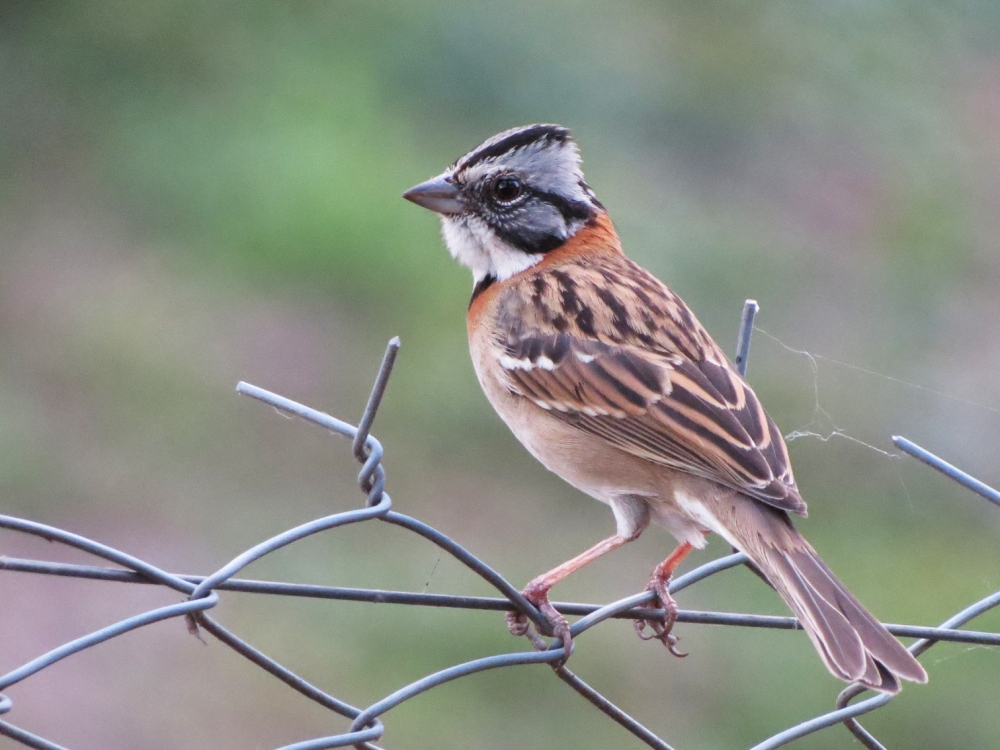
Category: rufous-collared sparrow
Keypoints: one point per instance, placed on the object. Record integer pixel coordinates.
(610, 381)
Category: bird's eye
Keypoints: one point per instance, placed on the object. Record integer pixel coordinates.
(507, 189)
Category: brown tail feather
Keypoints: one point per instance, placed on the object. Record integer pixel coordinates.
(854, 646)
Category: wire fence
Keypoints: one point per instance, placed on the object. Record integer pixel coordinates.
(202, 593)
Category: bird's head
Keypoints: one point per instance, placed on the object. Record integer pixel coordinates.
(510, 200)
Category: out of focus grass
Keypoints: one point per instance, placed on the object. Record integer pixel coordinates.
(196, 193)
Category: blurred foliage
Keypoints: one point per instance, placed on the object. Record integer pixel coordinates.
(193, 193)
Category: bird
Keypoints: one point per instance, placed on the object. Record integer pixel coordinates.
(609, 380)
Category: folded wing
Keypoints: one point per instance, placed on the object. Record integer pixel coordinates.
(696, 416)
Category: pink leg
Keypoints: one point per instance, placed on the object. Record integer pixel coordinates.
(537, 591)
(666, 569)
(659, 581)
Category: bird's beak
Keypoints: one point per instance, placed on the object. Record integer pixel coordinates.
(438, 194)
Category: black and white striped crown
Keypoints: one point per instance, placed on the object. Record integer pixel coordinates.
(533, 137)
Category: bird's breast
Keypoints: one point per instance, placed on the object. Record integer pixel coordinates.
(587, 462)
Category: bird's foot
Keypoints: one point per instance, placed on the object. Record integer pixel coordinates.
(661, 628)
(518, 623)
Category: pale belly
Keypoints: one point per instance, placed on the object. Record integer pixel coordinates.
(595, 467)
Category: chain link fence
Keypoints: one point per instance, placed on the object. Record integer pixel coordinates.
(202, 593)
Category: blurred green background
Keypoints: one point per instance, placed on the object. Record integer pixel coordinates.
(196, 193)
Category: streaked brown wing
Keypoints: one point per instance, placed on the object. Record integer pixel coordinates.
(695, 416)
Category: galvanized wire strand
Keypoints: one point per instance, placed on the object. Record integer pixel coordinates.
(270, 665)
(490, 604)
(202, 594)
(750, 310)
(706, 570)
(610, 710)
(292, 535)
(821, 722)
(453, 673)
(357, 739)
(105, 634)
(27, 738)
(52, 534)
(952, 472)
(375, 399)
(589, 694)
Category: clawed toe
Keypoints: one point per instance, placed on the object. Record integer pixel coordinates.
(661, 628)
(561, 630)
(660, 633)
(518, 624)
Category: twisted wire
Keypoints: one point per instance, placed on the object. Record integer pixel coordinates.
(202, 594)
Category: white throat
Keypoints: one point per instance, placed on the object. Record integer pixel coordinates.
(473, 244)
